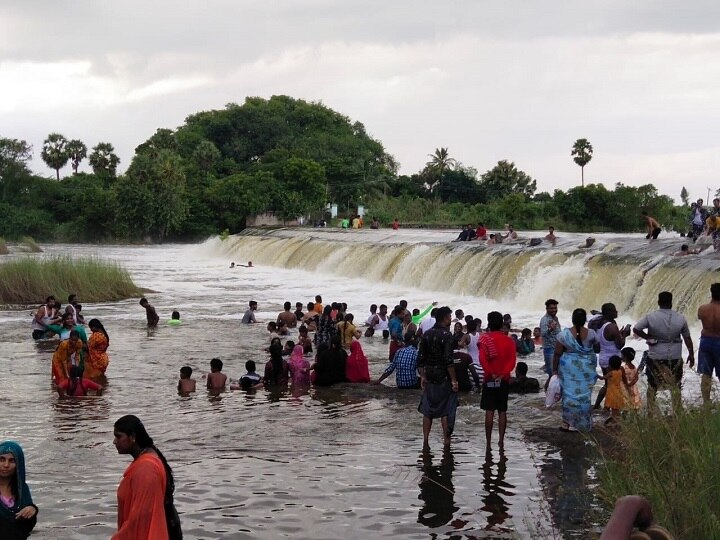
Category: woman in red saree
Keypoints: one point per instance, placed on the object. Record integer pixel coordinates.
(356, 368)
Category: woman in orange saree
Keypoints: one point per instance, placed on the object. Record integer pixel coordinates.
(98, 360)
(69, 353)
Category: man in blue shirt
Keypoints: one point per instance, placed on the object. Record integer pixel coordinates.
(404, 364)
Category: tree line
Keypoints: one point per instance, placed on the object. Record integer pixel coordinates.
(290, 157)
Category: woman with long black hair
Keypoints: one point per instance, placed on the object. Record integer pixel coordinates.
(146, 486)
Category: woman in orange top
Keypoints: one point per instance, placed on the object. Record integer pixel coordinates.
(68, 353)
(97, 361)
(142, 490)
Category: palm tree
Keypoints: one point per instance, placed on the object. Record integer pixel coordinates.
(54, 152)
(582, 152)
(77, 151)
(439, 162)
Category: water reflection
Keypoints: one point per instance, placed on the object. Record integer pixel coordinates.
(437, 490)
(497, 492)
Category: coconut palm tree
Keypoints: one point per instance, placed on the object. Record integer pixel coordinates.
(439, 162)
(582, 152)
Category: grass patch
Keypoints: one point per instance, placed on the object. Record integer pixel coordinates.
(30, 245)
(29, 280)
(674, 462)
(3, 247)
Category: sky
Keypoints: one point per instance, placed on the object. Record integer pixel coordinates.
(516, 79)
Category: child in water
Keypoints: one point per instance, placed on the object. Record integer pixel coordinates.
(76, 385)
(632, 376)
(186, 384)
(304, 340)
(616, 397)
(216, 379)
(175, 319)
(251, 380)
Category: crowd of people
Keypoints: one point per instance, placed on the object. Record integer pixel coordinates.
(435, 350)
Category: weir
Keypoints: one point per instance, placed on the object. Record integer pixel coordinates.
(626, 270)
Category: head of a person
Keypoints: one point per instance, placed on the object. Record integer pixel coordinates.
(511, 228)
(492, 235)
(318, 299)
(383, 309)
(526, 333)
(521, 370)
(96, 326)
(457, 328)
(495, 321)
(185, 372)
(349, 317)
(72, 299)
(579, 318)
(327, 311)
(249, 263)
(536, 332)
(311, 306)
(287, 306)
(609, 311)
(272, 326)
(459, 314)
(67, 320)
(298, 306)
(715, 292)
(143, 302)
(434, 312)
(373, 309)
(232, 265)
(50, 301)
(507, 318)
(253, 305)
(615, 362)
(78, 307)
(289, 345)
(250, 366)
(684, 248)
(468, 318)
(628, 354)
(410, 339)
(403, 304)
(665, 300)
(276, 350)
(407, 318)
(12, 466)
(471, 326)
(551, 306)
(443, 316)
(416, 311)
(335, 305)
(74, 338)
(175, 316)
(130, 435)
(216, 365)
(303, 331)
(551, 229)
(699, 202)
(275, 341)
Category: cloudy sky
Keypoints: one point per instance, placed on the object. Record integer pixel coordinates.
(517, 80)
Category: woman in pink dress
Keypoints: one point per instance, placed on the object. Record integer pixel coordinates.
(356, 368)
(299, 367)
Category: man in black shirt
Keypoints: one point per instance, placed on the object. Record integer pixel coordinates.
(437, 377)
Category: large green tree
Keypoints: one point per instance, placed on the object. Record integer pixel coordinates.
(582, 153)
(440, 161)
(505, 179)
(55, 153)
(77, 151)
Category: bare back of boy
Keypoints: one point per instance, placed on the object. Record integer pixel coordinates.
(216, 380)
(185, 386)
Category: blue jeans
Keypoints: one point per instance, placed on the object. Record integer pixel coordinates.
(548, 354)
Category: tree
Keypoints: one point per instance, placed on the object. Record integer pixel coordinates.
(582, 152)
(77, 151)
(301, 188)
(206, 155)
(439, 162)
(54, 152)
(504, 179)
(684, 196)
(14, 156)
(103, 160)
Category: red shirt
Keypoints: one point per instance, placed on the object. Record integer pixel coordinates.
(81, 388)
(497, 355)
(480, 232)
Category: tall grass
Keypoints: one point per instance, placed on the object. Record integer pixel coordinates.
(674, 462)
(3, 247)
(29, 244)
(29, 280)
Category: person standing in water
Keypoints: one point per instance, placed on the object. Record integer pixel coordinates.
(145, 485)
(437, 377)
(42, 318)
(549, 330)
(653, 227)
(709, 353)
(249, 316)
(18, 513)
(611, 338)
(152, 317)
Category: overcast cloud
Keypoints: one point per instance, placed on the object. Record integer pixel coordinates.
(517, 80)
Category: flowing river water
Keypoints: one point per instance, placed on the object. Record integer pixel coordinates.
(340, 462)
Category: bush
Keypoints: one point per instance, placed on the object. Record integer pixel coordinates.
(30, 279)
(30, 245)
(673, 461)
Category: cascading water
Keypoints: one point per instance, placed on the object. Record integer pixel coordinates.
(628, 270)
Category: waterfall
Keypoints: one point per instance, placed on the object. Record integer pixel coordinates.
(625, 270)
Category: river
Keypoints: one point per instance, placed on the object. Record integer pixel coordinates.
(341, 462)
